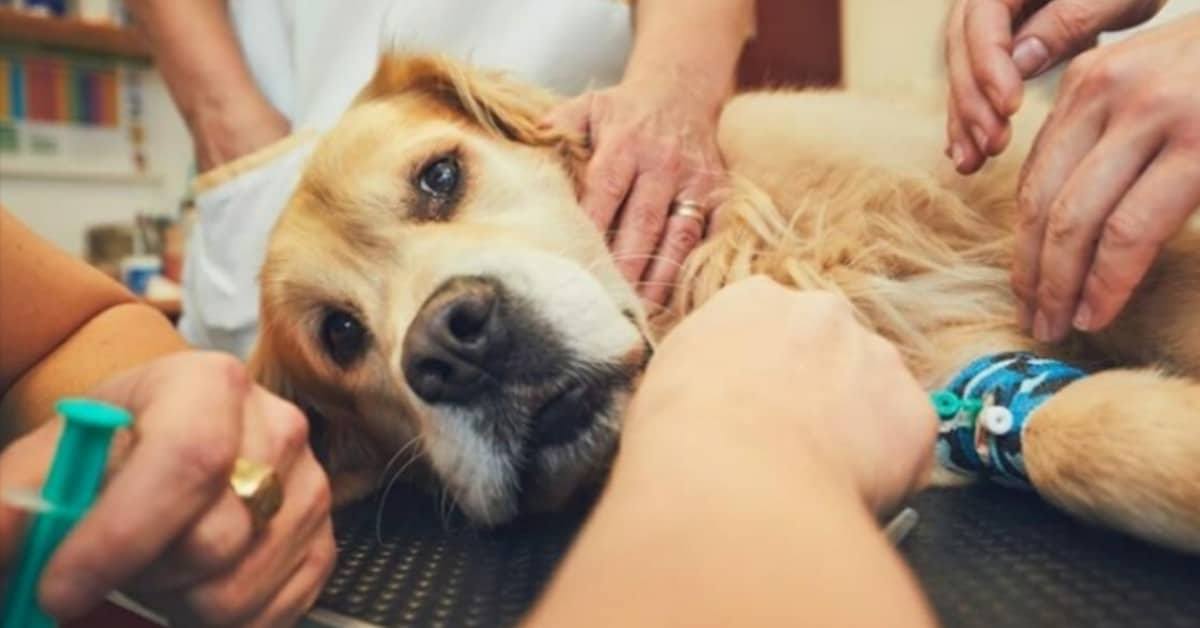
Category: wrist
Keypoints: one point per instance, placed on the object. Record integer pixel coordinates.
(707, 80)
(698, 52)
(223, 130)
(684, 443)
(707, 83)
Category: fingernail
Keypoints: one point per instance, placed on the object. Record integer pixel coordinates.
(981, 138)
(1083, 317)
(1041, 327)
(956, 155)
(1030, 55)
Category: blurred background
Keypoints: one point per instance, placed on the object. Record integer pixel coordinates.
(94, 157)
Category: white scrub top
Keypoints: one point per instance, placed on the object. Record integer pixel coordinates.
(310, 58)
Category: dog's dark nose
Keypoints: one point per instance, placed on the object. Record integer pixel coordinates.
(457, 334)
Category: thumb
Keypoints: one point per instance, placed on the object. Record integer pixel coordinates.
(23, 467)
(1063, 28)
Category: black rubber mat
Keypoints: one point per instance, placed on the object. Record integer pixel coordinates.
(994, 557)
(987, 557)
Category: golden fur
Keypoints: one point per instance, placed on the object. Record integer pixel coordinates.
(827, 190)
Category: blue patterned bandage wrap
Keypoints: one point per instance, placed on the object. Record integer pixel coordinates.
(984, 410)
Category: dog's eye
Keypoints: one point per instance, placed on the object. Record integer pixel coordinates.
(344, 337)
(440, 178)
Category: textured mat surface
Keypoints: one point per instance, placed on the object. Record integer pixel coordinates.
(987, 557)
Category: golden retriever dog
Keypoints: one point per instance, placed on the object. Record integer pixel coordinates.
(435, 296)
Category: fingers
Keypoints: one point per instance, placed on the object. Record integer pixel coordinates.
(988, 26)
(1156, 207)
(23, 467)
(189, 428)
(644, 216)
(609, 176)
(1063, 28)
(302, 591)
(221, 537)
(1074, 223)
(1063, 142)
(683, 234)
(987, 63)
(300, 527)
(274, 433)
(645, 142)
(974, 127)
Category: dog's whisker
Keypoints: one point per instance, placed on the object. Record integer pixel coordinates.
(399, 452)
(383, 499)
(442, 498)
(388, 489)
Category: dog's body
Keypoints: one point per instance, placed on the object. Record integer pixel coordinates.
(434, 288)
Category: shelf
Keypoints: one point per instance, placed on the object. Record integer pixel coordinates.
(58, 173)
(71, 34)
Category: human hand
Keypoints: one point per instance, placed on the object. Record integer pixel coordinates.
(167, 529)
(791, 376)
(994, 45)
(654, 142)
(1114, 174)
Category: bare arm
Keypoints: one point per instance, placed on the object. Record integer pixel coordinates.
(200, 60)
(63, 327)
(745, 488)
(702, 43)
(687, 544)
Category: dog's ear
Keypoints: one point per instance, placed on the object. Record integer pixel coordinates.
(344, 453)
(489, 100)
(264, 369)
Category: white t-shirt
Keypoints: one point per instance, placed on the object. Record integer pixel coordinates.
(310, 58)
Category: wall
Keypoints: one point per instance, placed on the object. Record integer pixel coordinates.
(796, 43)
(60, 206)
(892, 45)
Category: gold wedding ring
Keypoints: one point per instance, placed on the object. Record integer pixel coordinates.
(259, 488)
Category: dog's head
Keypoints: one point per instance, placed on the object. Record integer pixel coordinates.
(435, 292)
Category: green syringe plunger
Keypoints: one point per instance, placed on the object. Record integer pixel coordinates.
(70, 488)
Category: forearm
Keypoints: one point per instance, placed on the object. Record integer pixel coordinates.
(113, 341)
(700, 44)
(198, 55)
(700, 534)
(63, 326)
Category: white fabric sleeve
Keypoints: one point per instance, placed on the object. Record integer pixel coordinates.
(237, 206)
(264, 34)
